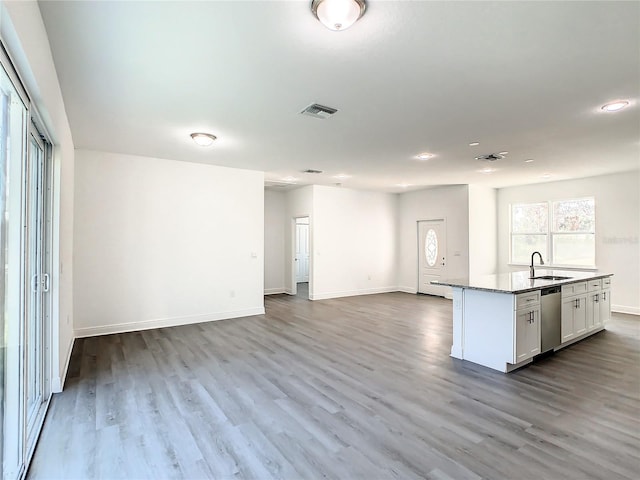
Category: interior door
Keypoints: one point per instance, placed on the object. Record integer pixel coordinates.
(432, 256)
(302, 252)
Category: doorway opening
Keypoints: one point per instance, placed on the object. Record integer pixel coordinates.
(302, 257)
(432, 255)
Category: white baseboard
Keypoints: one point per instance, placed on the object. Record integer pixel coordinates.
(164, 322)
(407, 289)
(57, 383)
(352, 293)
(625, 309)
(274, 291)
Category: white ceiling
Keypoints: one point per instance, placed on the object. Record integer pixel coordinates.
(524, 77)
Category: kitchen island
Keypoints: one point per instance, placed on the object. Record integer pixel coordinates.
(499, 321)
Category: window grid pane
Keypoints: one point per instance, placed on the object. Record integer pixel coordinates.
(574, 216)
(522, 246)
(530, 218)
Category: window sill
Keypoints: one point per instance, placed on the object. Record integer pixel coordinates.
(588, 268)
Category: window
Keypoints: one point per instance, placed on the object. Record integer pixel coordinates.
(563, 231)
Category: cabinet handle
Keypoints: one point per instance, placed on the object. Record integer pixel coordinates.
(604, 296)
(576, 303)
(596, 298)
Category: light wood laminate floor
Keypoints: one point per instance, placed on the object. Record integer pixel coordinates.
(351, 388)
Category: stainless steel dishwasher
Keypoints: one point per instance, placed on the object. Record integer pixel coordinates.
(550, 308)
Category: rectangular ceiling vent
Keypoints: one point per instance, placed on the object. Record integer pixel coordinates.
(319, 111)
(311, 170)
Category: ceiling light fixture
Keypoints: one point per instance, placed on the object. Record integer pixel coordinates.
(424, 156)
(474, 144)
(528, 160)
(338, 14)
(615, 106)
(203, 139)
(487, 170)
(403, 185)
(342, 176)
(502, 153)
(290, 179)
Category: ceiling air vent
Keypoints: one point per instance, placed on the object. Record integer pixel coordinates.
(318, 111)
(311, 170)
(492, 157)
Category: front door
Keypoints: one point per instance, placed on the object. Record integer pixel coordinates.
(432, 256)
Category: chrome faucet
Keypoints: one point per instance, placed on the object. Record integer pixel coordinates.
(532, 272)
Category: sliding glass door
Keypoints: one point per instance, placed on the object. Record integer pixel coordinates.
(24, 256)
(35, 330)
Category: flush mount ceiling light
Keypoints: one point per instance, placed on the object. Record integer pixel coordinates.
(338, 14)
(203, 139)
(615, 106)
(424, 156)
(503, 153)
(528, 160)
(474, 144)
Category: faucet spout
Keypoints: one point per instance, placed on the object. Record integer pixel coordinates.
(532, 272)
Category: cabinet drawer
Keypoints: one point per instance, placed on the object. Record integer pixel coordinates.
(527, 299)
(594, 285)
(574, 289)
(606, 282)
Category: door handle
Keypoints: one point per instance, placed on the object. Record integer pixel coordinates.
(45, 282)
(34, 283)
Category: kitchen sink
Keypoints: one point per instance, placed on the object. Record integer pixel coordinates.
(550, 277)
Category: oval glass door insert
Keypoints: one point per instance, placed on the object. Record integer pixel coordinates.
(431, 247)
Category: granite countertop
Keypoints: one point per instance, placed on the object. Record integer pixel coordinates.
(519, 282)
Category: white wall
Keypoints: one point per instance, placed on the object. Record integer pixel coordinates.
(617, 227)
(274, 232)
(450, 203)
(25, 37)
(298, 203)
(354, 242)
(162, 242)
(483, 230)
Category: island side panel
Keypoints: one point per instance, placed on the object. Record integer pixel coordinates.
(488, 328)
(458, 317)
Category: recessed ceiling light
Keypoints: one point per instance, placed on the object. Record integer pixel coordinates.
(615, 106)
(342, 176)
(203, 139)
(502, 153)
(545, 175)
(424, 156)
(474, 144)
(528, 160)
(403, 185)
(487, 170)
(290, 179)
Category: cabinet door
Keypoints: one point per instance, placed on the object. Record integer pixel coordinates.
(605, 306)
(593, 310)
(527, 334)
(580, 316)
(569, 305)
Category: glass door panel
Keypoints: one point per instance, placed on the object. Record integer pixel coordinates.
(34, 325)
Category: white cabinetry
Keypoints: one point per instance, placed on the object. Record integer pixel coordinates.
(574, 311)
(527, 326)
(586, 306)
(594, 292)
(605, 301)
